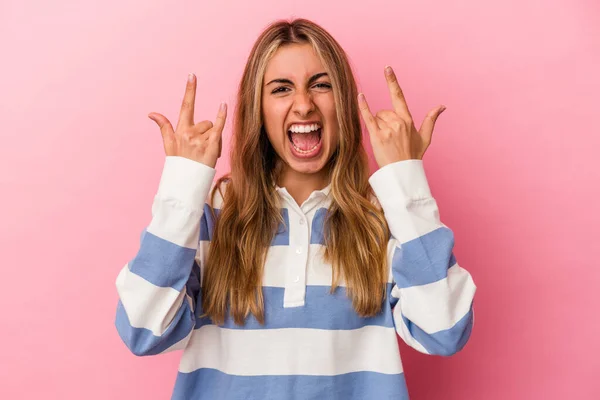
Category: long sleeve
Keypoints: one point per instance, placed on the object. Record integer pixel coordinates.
(432, 296)
(159, 287)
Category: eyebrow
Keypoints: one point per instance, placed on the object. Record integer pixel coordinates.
(311, 80)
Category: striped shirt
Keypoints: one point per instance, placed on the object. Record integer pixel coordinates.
(313, 345)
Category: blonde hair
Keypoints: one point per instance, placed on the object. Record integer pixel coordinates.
(355, 230)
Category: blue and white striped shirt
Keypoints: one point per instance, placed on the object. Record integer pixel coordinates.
(313, 344)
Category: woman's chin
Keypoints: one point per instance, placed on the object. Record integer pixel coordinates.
(308, 165)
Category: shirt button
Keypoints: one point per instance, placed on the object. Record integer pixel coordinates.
(302, 221)
(298, 250)
(296, 279)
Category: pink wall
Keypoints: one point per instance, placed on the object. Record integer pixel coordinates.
(513, 164)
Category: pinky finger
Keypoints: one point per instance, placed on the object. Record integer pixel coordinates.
(221, 117)
(366, 113)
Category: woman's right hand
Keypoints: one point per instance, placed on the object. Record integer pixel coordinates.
(199, 142)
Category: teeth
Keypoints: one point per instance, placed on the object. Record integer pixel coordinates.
(305, 151)
(304, 128)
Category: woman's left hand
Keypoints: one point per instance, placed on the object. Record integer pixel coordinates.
(393, 133)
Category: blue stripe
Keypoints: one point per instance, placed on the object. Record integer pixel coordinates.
(163, 263)
(207, 225)
(446, 342)
(206, 383)
(193, 285)
(425, 259)
(321, 311)
(282, 236)
(142, 342)
(316, 236)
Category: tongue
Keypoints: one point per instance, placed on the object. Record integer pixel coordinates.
(305, 141)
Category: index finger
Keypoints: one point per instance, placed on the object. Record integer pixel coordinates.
(398, 100)
(186, 116)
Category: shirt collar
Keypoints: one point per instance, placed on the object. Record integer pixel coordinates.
(321, 193)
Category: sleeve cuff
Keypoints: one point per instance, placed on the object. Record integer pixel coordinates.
(186, 180)
(400, 182)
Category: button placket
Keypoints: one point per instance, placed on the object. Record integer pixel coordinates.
(298, 251)
(295, 289)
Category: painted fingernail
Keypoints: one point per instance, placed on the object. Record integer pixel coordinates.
(190, 77)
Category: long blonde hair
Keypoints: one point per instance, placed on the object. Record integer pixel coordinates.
(355, 230)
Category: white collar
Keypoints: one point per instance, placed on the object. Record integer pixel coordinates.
(322, 192)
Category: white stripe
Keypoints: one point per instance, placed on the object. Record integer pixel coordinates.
(293, 351)
(318, 273)
(439, 305)
(414, 220)
(391, 249)
(186, 180)
(201, 255)
(182, 344)
(175, 222)
(147, 305)
(404, 333)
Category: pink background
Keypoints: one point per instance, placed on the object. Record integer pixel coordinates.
(513, 165)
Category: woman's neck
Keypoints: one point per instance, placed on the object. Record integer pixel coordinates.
(300, 185)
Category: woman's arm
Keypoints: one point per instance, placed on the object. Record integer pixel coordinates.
(432, 296)
(159, 287)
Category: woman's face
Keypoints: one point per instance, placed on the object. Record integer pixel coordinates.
(297, 99)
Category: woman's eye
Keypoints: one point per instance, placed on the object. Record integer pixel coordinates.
(279, 89)
(283, 89)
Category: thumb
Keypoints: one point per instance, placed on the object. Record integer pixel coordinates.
(166, 129)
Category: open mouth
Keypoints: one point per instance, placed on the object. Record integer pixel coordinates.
(305, 143)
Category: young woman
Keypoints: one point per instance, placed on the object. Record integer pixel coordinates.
(291, 277)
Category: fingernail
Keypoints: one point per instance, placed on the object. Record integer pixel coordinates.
(442, 110)
(223, 106)
(388, 70)
(190, 77)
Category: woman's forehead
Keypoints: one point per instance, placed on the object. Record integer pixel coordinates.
(294, 62)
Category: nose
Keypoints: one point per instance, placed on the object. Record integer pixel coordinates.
(303, 104)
